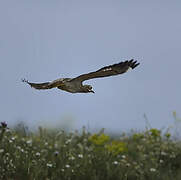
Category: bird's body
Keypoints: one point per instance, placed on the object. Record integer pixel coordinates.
(69, 85)
(74, 85)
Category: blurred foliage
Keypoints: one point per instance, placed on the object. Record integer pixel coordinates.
(55, 154)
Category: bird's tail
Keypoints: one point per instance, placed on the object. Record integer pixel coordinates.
(46, 85)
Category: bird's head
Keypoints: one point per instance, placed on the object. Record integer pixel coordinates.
(88, 88)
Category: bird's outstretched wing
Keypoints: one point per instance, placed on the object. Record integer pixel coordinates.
(106, 71)
(46, 85)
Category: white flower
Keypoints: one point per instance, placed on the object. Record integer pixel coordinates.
(163, 153)
(49, 165)
(1, 150)
(161, 161)
(18, 147)
(115, 162)
(123, 156)
(29, 141)
(13, 138)
(127, 164)
(68, 141)
(22, 150)
(71, 158)
(80, 155)
(67, 165)
(152, 169)
(37, 154)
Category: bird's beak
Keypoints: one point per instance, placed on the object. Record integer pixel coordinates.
(92, 91)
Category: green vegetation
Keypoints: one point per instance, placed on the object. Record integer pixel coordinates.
(57, 155)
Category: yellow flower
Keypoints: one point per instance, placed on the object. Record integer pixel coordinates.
(155, 132)
(117, 147)
(99, 139)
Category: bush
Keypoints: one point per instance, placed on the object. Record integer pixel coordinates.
(54, 155)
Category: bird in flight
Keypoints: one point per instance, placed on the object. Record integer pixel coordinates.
(75, 85)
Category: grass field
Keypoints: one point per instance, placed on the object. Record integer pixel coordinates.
(57, 155)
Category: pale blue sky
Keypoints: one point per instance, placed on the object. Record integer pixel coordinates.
(42, 40)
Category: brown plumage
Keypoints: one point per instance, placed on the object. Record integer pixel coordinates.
(74, 85)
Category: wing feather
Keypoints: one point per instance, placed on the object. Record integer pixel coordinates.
(111, 70)
(46, 85)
